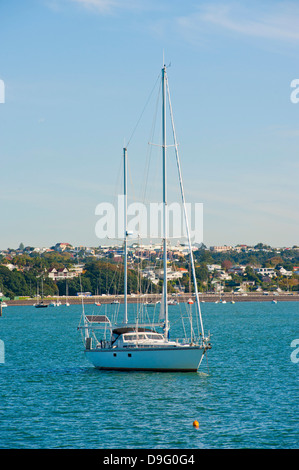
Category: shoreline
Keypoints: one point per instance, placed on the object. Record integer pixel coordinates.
(250, 297)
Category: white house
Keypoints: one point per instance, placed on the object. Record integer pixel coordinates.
(265, 271)
(170, 274)
(63, 273)
(213, 267)
(284, 272)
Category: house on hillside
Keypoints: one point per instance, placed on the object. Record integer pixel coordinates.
(220, 249)
(63, 273)
(284, 272)
(268, 272)
(60, 247)
(170, 274)
(239, 270)
(213, 267)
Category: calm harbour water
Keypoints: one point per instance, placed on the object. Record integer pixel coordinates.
(246, 397)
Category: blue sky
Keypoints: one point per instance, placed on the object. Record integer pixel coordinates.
(77, 75)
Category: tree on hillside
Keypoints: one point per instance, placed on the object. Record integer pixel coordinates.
(251, 275)
(226, 264)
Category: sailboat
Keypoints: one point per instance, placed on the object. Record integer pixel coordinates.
(141, 346)
(67, 304)
(41, 304)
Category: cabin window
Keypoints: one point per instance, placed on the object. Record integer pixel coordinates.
(128, 337)
(154, 336)
(129, 355)
(114, 354)
(133, 337)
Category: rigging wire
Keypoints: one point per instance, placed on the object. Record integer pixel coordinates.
(144, 108)
(149, 149)
(184, 206)
(144, 186)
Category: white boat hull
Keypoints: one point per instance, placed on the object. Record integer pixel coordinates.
(181, 358)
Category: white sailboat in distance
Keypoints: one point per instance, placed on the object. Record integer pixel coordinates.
(140, 346)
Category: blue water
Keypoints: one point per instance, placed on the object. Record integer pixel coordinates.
(245, 397)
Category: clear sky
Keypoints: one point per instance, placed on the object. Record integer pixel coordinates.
(77, 75)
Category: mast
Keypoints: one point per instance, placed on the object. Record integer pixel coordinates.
(125, 239)
(164, 78)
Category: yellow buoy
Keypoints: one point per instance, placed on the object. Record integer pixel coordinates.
(196, 424)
